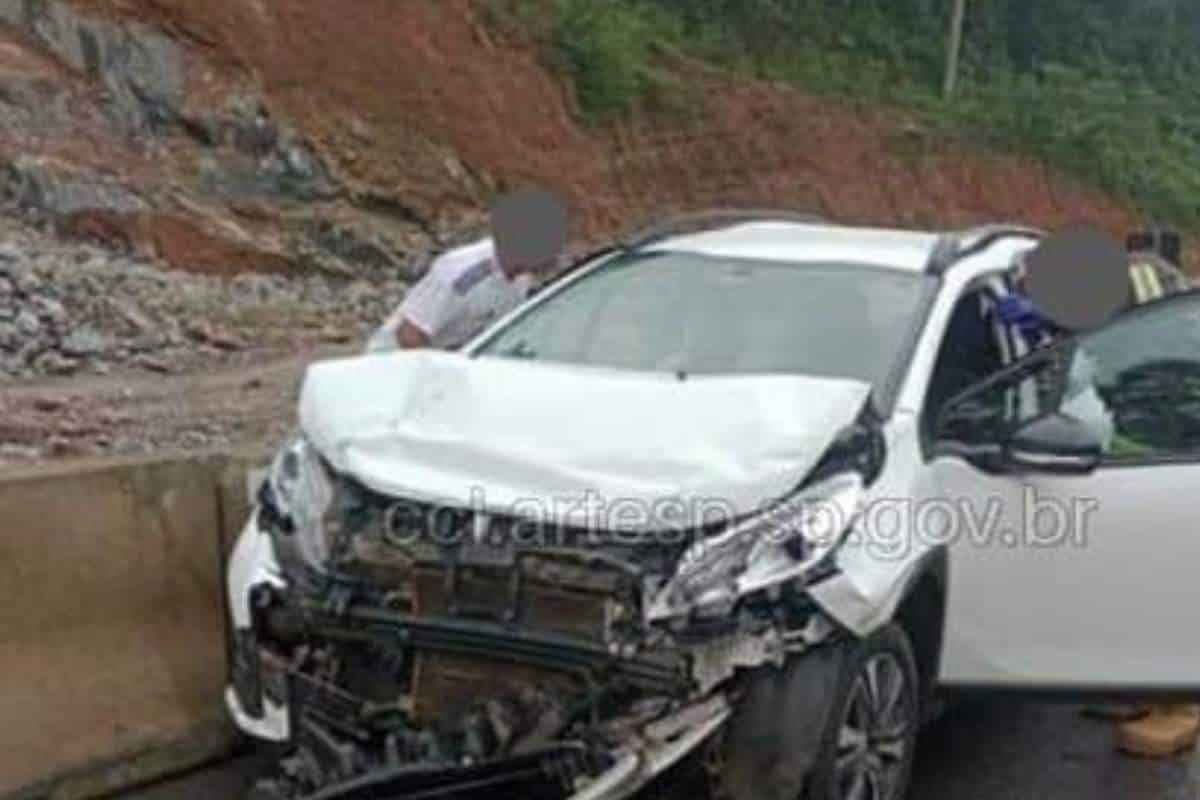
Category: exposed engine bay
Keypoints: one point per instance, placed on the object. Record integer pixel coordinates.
(437, 654)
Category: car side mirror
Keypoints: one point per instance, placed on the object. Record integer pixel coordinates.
(1055, 443)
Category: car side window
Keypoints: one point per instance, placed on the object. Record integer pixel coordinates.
(1135, 384)
(987, 414)
(1145, 370)
(968, 354)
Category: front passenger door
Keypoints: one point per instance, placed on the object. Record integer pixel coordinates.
(1069, 580)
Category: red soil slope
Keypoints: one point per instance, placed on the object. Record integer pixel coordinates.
(416, 106)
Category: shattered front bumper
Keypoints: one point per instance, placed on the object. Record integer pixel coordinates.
(561, 772)
(434, 661)
(332, 724)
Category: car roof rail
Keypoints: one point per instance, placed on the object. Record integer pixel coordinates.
(713, 219)
(951, 248)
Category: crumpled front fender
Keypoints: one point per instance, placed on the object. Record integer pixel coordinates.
(776, 731)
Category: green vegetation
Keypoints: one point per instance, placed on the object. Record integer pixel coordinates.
(1107, 89)
(610, 49)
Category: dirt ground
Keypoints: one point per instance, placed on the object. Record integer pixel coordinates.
(246, 404)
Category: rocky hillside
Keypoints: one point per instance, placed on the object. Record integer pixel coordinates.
(327, 148)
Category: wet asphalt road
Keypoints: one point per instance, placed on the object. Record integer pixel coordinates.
(994, 750)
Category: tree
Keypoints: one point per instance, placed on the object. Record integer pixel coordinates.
(954, 46)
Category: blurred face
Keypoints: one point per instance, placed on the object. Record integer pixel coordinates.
(530, 231)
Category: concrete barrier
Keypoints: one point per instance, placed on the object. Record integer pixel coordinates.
(112, 624)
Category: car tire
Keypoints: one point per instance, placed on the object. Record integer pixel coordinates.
(866, 752)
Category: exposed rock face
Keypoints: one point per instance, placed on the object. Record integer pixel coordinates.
(68, 308)
(142, 71)
(135, 137)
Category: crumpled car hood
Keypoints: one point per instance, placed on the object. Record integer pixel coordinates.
(573, 445)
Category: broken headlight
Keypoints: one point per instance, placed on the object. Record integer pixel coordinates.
(779, 545)
(298, 491)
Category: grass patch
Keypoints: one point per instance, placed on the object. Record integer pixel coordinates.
(608, 49)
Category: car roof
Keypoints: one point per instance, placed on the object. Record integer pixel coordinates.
(798, 243)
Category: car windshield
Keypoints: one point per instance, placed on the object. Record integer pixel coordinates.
(701, 315)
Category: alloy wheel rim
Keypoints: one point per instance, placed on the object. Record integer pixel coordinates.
(873, 739)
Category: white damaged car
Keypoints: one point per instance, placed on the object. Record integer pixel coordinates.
(746, 497)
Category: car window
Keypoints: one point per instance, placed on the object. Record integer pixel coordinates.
(969, 352)
(1145, 369)
(988, 413)
(1135, 384)
(696, 314)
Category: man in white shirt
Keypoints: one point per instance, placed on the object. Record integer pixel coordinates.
(466, 289)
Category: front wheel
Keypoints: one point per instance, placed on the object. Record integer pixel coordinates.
(870, 736)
